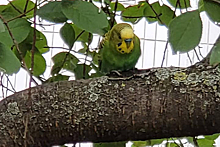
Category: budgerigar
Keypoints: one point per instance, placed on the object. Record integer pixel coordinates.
(120, 49)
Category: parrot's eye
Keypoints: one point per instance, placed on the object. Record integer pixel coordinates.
(119, 44)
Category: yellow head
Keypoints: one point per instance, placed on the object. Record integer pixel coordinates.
(123, 35)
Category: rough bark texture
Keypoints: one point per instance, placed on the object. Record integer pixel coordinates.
(157, 103)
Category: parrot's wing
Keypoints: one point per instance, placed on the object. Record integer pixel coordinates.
(101, 45)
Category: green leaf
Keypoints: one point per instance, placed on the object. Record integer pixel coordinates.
(19, 28)
(52, 12)
(139, 143)
(167, 14)
(39, 62)
(164, 13)
(83, 37)
(155, 141)
(85, 15)
(41, 41)
(133, 13)
(67, 33)
(64, 60)
(201, 6)
(58, 77)
(2, 8)
(9, 63)
(185, 31)
(2, 26)
(213, 9)
(120, 7)
(215, 54)
(21, 4)
(149, 13)
(190, 140)
(80, 73)
(205, 142)
(110, 144)
(171, 144)
(212, 137)
(9, 11)
(183, 3)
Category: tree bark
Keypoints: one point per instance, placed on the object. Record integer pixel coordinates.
(155, 103)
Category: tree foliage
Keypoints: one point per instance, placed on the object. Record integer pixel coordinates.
(23, 46)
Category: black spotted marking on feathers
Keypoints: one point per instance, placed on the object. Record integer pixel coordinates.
(119, 49)
(119, 44)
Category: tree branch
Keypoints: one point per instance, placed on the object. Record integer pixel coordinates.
(155, 103)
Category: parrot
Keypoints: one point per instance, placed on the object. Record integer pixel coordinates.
(119, 49)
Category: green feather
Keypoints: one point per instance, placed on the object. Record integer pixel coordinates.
(111, 57)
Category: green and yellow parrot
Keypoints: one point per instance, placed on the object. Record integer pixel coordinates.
(120, 49)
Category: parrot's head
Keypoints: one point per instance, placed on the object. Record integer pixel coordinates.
(123, 37)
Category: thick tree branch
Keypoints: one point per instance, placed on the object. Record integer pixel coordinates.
(157, 103)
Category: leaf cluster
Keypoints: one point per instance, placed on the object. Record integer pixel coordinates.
(25, 45)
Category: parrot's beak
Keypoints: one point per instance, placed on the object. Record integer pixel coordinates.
(128, 42)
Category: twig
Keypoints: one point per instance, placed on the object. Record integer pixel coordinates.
(87, 51)
(175, 142)
(10, 84)
(115, 9)
(185, 4)
(189, 58)
(195, 142)
(2, 85)
(157, 16)
(23, 14)
(16, 45)
(164, 54)
(167, 40)
(33, 47)
(196, 54)
(14, 7)
(25, 7)
(200, 51)
(70, 50)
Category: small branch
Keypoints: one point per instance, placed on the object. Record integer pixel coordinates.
(195, 142)
(87, 51)
(115, 9)
(70, 50)
(26, 4)
(196, 54)
(167, 40)
(16, 45)
(189, 58)
(14, 7)
(164, 54)
(132, 16)
(185, 5)
(157, 16)
(200, 52)
(23, 14)
(33, 45)
(176, 143)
